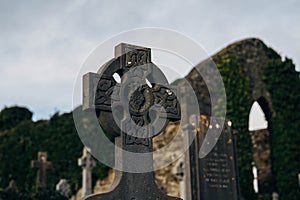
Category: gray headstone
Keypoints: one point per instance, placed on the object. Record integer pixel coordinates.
(215, 175)
(133, 64)
(87, 163)
(12, 186)
(63, 187)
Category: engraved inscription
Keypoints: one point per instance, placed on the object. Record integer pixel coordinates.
(217, 170)
(218, 177)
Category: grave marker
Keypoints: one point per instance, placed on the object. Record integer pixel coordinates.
(215, 175)
(146, 104)
(87, 163)
(42, 165)
(63, 187)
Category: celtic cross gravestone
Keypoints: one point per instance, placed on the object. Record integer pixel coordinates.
(87, 163)
(134, 108)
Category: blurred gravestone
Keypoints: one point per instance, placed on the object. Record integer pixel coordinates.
(87, 163)
(42, 165)
(12, 186)
(63, 187)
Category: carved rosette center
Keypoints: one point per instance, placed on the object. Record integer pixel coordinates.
(140, 101)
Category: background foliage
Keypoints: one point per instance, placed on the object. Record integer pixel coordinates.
(238, 101)
(284, 87)
(20, 141)
(283, 83)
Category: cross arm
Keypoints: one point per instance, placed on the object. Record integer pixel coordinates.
(35, 164)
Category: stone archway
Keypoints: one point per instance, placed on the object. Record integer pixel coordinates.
(242, 66)
(261, 149)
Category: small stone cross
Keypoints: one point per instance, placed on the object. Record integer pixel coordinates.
(42, 165)
(87, 163)
(134, 109)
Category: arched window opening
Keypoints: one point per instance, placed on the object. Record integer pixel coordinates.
(259, 132)
(257, 118)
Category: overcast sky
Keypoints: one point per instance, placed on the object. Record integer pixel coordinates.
(44, 43)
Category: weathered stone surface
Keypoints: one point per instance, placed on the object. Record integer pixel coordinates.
(261, 155)
(87, 163)
(63, 187)
(42, 165)
(251, 54)
(133, 132)
(218, 170)
(164, 177)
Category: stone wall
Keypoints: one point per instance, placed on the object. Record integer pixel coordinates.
(262, 159)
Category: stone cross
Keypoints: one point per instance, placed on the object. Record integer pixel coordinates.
(145, 103)
(41, 165)
(87, 163)
(63, 187)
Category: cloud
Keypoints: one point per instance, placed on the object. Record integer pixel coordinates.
(42, 45)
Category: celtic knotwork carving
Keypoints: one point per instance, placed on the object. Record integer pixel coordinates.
(142, 97)
(130, 140)
(137, 134)
(136, 57)
(140, 101)
(103, 94)
(165, 97)
(139, 120)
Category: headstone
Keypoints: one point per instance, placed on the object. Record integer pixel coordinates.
(215, 175)
(87, 163)
(134, 98)
(275, 196)
(12, 186)
(63, 187)
(42, 165)
(299, 179)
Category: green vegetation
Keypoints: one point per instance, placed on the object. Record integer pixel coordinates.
(283, 83)
(284, 86)
(20, 142)
(238, 101)
(10, 117)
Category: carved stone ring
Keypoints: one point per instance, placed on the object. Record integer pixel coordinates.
(141, 99)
